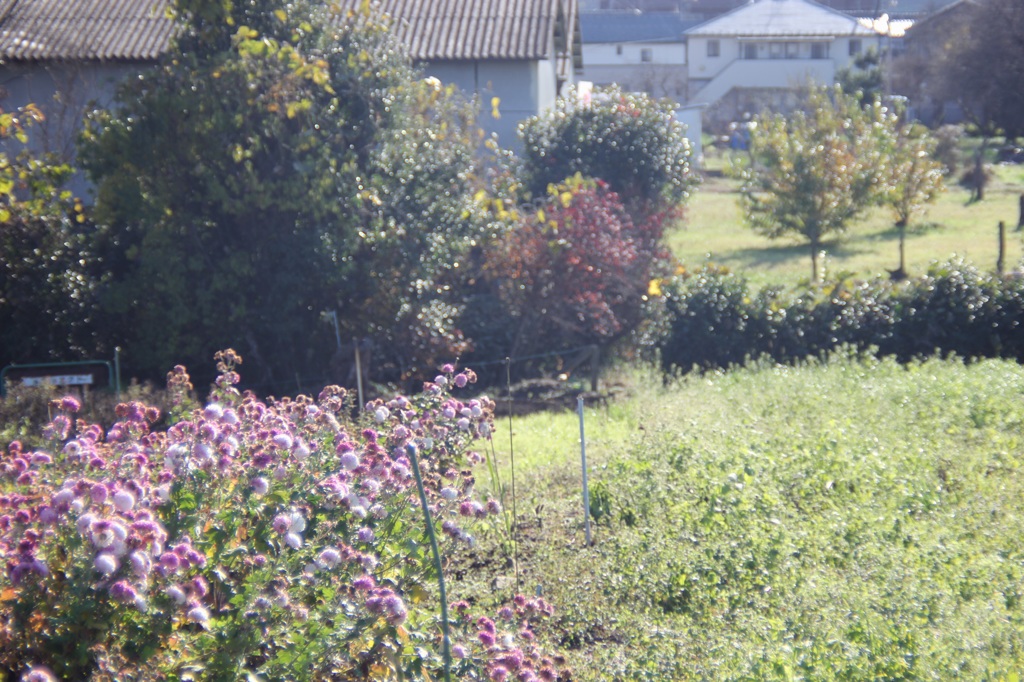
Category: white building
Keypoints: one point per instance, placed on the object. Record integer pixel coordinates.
(759, 54)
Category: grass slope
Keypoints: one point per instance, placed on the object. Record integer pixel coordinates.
(715, 231)
(842, 521)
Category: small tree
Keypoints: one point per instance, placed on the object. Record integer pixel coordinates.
(630, 141)
(914, 179)
(813, 172)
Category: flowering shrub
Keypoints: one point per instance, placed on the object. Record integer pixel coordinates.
(277, 539)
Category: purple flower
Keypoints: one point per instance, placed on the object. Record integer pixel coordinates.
(349, 461)
(260, 486)
(461, 380)
(282, 523)
(283, 441)
(328, 558)
(365, 535)
(459, 651)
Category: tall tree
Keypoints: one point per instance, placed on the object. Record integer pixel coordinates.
(280, 163)
(812, 172)
(47, 274)
(982, 67)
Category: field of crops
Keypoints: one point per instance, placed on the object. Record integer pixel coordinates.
(850, 520)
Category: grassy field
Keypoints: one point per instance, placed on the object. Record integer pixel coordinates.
(715, 231)
(843, 521)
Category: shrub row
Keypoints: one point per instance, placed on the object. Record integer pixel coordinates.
(712, 318)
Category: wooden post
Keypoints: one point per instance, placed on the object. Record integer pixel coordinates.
(1001, 261)
(595, 363)
(1020, 219)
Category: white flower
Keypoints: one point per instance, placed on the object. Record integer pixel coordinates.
(381, 414)
(298, 523)
(293, 540)
(105, 563)
(449, 493)
(349, 461)
(283, 441)
(176, 594)
(124, 501)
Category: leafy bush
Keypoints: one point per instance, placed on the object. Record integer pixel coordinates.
(327, 175)
(249, 539)
(714, 320)
(573, 272)
(630, 141)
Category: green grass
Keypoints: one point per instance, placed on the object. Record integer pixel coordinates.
(714, 230)
(851, 520)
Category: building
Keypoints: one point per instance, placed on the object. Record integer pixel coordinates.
(638, 51)
(761, 53)
(65, 54)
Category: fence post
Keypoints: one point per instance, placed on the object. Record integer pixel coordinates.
(586, 488)
(1001, 261)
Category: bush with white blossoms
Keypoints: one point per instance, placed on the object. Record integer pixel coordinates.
(249, 539)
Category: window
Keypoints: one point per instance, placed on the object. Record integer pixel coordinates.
(748, 50)
(792, 50)
(714, 49)
(776, 50)
(646, 54)
(618, 49)
(855, 46)
(819, 50)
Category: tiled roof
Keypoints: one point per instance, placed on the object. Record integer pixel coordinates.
(83, 29)
(781, 18)
(632, 27)
(476, 29)
(432, 29)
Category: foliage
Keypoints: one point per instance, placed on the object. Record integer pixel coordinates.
(812, 172)
(915, 177)
(249, 540)
(714, 320)
(573, 272)
(292, 164)
(47, 274)
(843, 520)
(982, 66)
(863, 77)
(632, 142)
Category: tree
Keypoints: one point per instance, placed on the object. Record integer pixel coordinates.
(864, 77)
(47, 274)
(982, 67)
(630, 141)
(811, 173)
(914, 180)
(279, 163)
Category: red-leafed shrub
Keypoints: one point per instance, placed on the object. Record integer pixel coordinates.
(574, 272)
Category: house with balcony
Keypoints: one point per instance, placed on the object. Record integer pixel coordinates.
(760, 54)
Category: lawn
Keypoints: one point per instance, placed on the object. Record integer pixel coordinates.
(850, 520)
(714, 230)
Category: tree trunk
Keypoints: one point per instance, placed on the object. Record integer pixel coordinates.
(1020, 219)
(815, 246)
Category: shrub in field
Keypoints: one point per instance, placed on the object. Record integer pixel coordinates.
(573, 272)
(250, 539)
(632, 142)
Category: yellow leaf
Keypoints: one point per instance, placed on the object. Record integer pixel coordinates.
(654, 287)
(495, 101)
(566, 199)
(540, 215)
(281, 15)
